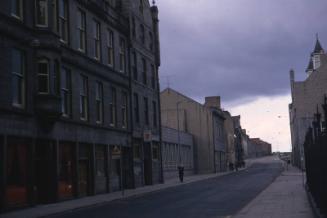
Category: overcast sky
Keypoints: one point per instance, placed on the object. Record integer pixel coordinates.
(241, 50)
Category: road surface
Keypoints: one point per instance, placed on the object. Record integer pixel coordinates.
(217, 197)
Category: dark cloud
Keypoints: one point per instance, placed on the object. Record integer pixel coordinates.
(238, 49)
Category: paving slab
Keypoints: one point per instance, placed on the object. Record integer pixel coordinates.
(284, 198)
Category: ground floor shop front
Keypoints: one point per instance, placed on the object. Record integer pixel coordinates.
(41, 171)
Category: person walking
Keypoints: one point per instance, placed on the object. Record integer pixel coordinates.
(181, 173)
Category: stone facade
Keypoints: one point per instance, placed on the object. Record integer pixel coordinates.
(198, 120)
(307, 98)
(176, 152)
(67, 104)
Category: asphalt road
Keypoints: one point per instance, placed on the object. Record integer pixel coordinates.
(217, 197)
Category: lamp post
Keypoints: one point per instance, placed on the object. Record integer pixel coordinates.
(178, 135)
(180, 167)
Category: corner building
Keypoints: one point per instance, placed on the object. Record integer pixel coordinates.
(67, 112)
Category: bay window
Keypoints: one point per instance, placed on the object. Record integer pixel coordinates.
(43, 76)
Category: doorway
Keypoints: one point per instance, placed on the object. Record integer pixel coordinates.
(16, 193)
(84, 170)
(147, 164)
(44, 171)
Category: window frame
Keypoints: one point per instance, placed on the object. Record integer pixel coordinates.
(37, 5)
(63, 21)
(66, 92)
(19, 16)
(81, 28)
(84, 97)
(22, 79)
(96, 39)
(47, 75)
(110, 48)
(99, 102)
(122, 55)
(56, 78)
(113, 107)
(124, 108)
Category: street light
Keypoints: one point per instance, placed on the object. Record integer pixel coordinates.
(179, 139)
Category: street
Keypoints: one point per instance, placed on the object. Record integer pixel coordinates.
(216, 197)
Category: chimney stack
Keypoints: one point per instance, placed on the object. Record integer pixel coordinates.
(213, 101)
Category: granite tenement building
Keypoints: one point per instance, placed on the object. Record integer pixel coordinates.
(79, 99)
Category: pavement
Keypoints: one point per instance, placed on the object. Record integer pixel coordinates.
(284, 198)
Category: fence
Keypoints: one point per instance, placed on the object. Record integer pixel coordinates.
(315, 148)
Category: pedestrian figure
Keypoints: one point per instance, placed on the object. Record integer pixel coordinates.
(231, 166)
(181, 173)
(288, 163)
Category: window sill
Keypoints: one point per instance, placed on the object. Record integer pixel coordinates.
(18, 106)
(17, 17)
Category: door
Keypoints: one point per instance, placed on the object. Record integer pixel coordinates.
(17, 175)
(115, 172)
(44, 172)
(147, 164)
(84, 175)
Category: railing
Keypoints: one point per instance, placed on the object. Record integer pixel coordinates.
(315, 148)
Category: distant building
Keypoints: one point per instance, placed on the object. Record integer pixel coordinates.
(307, 98)
(176, 152)
(259, 148)
(197, 119)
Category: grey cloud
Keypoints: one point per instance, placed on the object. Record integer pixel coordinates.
(238, 49)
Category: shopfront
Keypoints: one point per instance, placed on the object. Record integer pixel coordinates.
(41, 171)
(66, 166)
(17, 173)
(115, 168)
